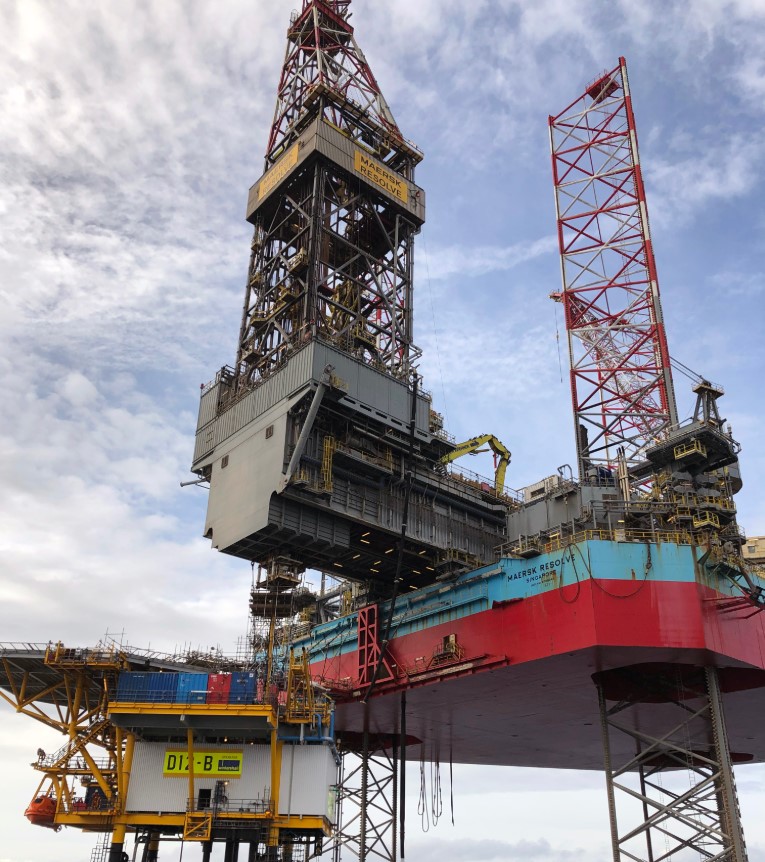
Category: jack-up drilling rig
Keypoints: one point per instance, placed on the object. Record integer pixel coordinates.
(607, 622)
(580, 575)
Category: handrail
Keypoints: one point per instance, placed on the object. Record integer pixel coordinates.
(226, 805)
(25, 646)
(482, 483)
(71, 748)
(557, 543)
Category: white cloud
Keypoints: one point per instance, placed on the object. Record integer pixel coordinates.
(682, 185)
(78, 390)
(739, 285)
(471, 262)
(750, 77)
(487, 850)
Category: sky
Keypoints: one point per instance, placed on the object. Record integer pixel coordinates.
(130, 135)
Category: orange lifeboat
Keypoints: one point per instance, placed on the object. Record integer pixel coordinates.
(42, 812)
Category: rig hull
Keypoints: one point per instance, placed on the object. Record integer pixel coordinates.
(498, 665)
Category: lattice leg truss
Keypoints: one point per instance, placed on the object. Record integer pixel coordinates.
(670, 783)
(367, 806)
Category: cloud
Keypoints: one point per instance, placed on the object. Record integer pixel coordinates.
(480, 780)
(739, 284)
(121, 257)
(78, 390)
(117, 224)
(487, 850)
(750, 77)
(448, 262)
(89, 480)
(681, 185)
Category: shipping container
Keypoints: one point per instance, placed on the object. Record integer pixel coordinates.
(192, 688)
(218, 687)
(242, 687)
(131, 686)
(162, 687)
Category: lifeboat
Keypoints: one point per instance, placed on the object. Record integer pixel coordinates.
(42, 812)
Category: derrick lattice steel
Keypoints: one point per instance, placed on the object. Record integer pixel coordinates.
(621, 379)
(324, 60)
(335, 212)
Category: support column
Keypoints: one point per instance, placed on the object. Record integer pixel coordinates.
(276, 773)
(192, 803)
(364, 795)
(665, 746)
(118, 844)
(207, 851)
(231, 853)
(366, 828)
(726, 783)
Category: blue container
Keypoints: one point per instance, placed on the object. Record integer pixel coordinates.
(162, 688)
(242, 687)
(192, 688)
(131, 686)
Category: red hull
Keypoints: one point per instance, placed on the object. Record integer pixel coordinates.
(522, 693)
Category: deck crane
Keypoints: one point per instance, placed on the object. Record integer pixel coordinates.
(636, 466)
(625, 386)
(625, 398)
(621, 379)
(626, 418)
(473, 447)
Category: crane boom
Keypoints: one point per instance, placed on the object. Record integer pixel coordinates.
(501, 452)
(621, 379)
(625, 385)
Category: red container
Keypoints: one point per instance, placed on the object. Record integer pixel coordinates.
(218, 687)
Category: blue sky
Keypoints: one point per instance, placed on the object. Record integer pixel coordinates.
(130, 135)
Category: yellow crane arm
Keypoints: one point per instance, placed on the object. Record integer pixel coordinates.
(473, 445)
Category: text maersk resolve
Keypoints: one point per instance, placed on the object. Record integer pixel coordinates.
(380, 176)
(541, 569)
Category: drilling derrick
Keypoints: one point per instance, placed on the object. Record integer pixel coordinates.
(621, 380)
(335, 213)
(308, 440)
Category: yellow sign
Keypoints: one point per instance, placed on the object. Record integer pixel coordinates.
(381, 176)
(278, 171)
(211, 764)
